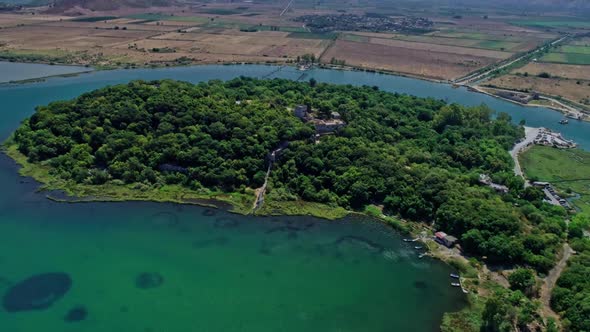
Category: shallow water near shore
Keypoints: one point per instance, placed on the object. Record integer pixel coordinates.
(164, 267)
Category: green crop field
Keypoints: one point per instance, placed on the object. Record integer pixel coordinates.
(94, 19)
(567, 170)
(554, 23)
(497, 45)
(222, 11)
(162, 17)
(578, 49)
(312, 35)
(567, 58)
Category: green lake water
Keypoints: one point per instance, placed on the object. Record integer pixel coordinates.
(219, 272)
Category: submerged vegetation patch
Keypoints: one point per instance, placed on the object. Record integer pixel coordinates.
(76, 314)
(37, 292)
(149, 280)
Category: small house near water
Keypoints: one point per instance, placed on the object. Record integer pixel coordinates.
(447, 240)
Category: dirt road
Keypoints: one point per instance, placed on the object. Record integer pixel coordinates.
(551, 279)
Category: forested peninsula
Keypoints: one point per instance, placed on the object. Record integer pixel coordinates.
(418, 158)
(335, 147)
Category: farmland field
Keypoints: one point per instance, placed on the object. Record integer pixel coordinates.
(575, 49)
(413, 61)
(554, 23)
(575, 90)
(569, 58)
(556, 69)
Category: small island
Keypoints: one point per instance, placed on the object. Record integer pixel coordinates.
(284, 147)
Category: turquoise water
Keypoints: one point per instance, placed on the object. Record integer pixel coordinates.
(10, 71)
(219, 272)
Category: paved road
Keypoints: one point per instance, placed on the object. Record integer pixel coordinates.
(530, 134)
(477, 77)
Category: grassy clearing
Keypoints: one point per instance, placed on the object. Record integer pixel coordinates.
(240, 202)
(466, 320)
(567, 170)
(300, 208)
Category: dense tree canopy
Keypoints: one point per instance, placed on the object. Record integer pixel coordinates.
(419, 158)
(571, 296)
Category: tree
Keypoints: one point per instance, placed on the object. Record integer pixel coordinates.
(523, 280)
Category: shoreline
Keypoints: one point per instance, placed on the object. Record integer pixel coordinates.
(475, 284)
(471, 274)
(564, 110)
(470, 88)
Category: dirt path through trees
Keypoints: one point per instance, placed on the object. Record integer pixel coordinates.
(551, 279)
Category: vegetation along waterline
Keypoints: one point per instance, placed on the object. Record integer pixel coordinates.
(419, 159)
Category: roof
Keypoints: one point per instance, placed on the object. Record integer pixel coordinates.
(451, 238)
(440, 235)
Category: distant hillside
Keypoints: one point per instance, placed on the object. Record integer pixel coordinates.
(103, 5)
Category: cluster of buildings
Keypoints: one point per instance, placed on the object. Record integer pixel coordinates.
(372, 22)
(549, 138)
(322, 126)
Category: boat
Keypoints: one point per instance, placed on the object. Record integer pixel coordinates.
(417, 247)
(564, 121)
(464, 290)
(411, 240)
(422, 255)
(455, 284)
(456, 276)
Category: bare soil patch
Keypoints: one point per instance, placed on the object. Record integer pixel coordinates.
(569, 89)
(441, 48)
(420, 62)
(555, 69)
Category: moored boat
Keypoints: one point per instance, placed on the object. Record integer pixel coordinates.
(456, 276)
